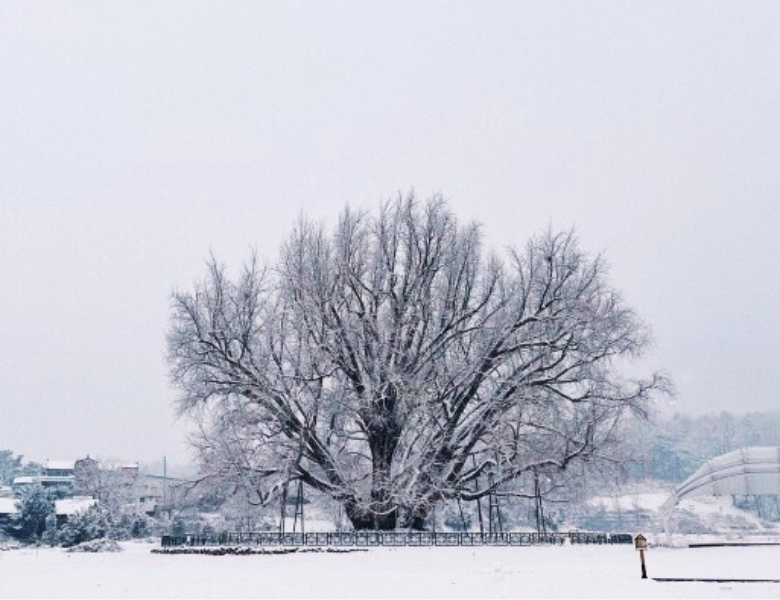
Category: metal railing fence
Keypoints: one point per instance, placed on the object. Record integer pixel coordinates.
(393, 538)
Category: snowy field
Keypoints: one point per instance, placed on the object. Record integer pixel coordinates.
(485, 572)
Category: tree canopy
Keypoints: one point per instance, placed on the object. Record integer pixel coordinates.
(392, 363)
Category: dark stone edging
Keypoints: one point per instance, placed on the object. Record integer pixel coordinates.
(707, 580)
(741, 544)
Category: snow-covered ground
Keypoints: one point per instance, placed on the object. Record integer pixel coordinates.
(485, 572)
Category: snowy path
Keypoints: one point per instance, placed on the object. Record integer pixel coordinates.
(485, 572)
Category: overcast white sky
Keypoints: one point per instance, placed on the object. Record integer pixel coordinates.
(136, 137)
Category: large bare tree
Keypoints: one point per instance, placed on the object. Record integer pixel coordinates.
(390, 363)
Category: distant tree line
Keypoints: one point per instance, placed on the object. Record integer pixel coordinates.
(13, 466)
(671, 448)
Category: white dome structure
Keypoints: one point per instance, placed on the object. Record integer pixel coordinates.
(748, 471)
(753, 471)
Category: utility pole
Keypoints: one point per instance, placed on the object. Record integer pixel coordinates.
(479, 500)
(541, 527)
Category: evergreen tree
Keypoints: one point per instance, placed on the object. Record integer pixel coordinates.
(35, 506)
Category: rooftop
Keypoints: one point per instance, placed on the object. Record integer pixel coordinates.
(65, 507)
(60, 464)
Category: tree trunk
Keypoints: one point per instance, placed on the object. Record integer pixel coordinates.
(416, 519)
(367, 520)
(364, 519)
(380, 513)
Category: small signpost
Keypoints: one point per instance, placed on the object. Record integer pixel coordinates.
(640, 543)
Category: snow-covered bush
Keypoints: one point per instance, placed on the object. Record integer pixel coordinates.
(84, 526)
(128, 526)
(35, 506)
(101, 545)
(96, 522)
(50, 533)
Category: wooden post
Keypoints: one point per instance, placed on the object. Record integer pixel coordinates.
(640, 543)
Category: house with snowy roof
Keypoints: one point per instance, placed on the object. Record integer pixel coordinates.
(57, 473)
(123, 483)
(63, 509)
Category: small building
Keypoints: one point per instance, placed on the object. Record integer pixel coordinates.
(59, 468)
(58, 473)
(129, 470)
(155, 493)
(86, 472)
(20, 483)
(68, 507)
